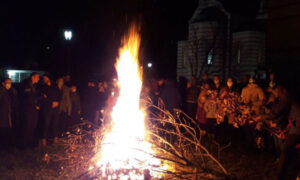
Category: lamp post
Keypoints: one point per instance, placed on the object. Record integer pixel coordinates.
(68, 34)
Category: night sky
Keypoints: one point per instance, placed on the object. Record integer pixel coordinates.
(31, 32)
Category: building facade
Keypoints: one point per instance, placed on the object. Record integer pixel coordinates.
(217, 44)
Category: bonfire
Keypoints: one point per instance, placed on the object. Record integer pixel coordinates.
(125, 153)
(131, 144)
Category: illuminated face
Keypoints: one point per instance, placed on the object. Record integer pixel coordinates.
(60, 82)
(101, 89)
(105, 85)
(7, 84)
(189, 84)
(216, 80)
(73, 88)
(160, 82)
(46, 79)
(206, 86)
(229, 82)
(35, 78)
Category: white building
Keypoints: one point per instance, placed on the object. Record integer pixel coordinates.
(216, 46)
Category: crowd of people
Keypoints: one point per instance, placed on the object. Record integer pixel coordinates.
(38, 110)
(254, 115)
(238, 111)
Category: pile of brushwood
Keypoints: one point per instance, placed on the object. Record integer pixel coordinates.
(176, 140)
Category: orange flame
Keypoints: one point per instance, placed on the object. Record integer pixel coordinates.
(124, 147)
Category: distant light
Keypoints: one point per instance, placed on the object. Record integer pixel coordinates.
(149, 65)
(48, 48)
(11, 73)
(68, 35)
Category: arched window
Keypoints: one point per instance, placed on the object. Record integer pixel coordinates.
(238, 56)
(210, 56)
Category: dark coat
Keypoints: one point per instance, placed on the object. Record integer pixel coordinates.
(101, 98)
(30, 100)
(75, 101)
(50, 94)
(15, 107)
(171, 97)
(215, 88)
(90, 102)
(5, 109)
(192, 94)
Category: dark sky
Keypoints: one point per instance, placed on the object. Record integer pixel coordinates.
(28, 27)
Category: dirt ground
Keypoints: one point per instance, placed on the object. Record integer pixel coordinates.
(29, 164)
(241, 163)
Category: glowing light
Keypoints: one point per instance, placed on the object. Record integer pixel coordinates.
(68, 35)
(149, 65)
(124, 145)
(11, 73)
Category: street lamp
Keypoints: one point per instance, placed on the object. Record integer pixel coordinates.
(68, 35)
(149, 65)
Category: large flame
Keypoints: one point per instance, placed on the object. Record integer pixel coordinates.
(124, 146)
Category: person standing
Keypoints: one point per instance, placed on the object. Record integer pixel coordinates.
(217, 84)
(15, 115)
(102, 96)
(254, 95)
(277, 115)
(76, 106)
(292, 139)
(50, 110)
(191, 100)
(65, 106)
(30, 104)
(201, 114)
(5, 114)
(170, 96)
(89, 101)
(229, 96)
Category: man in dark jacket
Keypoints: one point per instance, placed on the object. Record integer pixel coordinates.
(102, 96)
(50, 107)
(30, 104)
(76, 106)
(293, 139)
(89, 101)
(170, 96)
(5, 114)
(191, 99)
(15, 115)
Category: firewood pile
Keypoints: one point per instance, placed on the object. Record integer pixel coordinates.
(175, 138)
